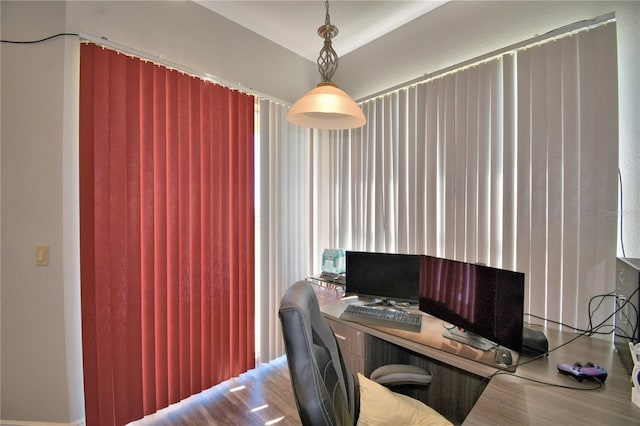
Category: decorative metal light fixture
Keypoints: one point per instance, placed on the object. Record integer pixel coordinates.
(327, 106)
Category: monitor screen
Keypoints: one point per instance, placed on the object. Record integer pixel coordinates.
(393, 277)
(475, 298)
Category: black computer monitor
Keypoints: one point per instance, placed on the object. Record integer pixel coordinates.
(383, 276)
(480, 301)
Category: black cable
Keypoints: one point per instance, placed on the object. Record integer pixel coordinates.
(588, 332)
(619, 308)
(591, 312)
(593, 330)
(621, 214)
(503, 370)
(556, 385)
(629, 320)
(635, 310)
(41, 40)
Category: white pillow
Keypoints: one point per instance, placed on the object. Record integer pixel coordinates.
(380, 406)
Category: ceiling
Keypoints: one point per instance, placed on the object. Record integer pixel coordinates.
(293, 24)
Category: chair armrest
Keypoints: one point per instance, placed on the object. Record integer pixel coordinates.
(401, 374)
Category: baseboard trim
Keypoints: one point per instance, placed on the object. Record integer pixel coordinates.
(4, 422)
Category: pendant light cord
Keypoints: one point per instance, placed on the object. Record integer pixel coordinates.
(327, 19)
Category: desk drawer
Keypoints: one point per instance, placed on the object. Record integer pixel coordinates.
(351, 343)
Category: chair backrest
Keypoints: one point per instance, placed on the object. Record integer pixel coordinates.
(325, 390)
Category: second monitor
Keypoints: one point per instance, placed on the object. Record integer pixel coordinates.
(384, 276)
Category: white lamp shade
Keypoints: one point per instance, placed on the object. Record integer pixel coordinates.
(326, 107)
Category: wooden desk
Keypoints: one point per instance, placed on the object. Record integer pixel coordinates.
(461, 391)
(429, 341)
(517, 401)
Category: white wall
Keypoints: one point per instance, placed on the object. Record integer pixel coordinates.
(41, 368)
(35, 377)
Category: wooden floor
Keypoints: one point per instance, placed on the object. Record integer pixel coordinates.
(262, 396)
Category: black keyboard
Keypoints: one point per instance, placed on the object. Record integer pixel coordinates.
(393, 318)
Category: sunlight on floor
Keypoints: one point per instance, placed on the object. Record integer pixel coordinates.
(274, 421)
(259, 396)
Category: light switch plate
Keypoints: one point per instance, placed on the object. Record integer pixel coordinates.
(42, 255)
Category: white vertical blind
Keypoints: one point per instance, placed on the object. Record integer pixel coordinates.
(284, 219)
(568, 136)
(511, 162)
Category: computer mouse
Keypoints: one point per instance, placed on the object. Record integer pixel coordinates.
(503, 356)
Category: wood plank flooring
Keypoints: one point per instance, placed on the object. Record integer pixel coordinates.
(262, 396)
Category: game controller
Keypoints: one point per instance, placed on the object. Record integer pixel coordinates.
(581, 372)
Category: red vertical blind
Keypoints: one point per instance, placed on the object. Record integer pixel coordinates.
(167, 235)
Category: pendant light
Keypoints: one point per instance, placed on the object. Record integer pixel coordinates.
(326, 106)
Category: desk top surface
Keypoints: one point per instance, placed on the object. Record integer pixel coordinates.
(511, 398)
(429, 341)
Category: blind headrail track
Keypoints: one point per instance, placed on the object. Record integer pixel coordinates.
(103, 41)
(563, 31)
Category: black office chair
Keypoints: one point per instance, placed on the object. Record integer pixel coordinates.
(326, 392)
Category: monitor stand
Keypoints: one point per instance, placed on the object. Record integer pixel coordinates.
(469, 338)
(379, 302)
(387, 303)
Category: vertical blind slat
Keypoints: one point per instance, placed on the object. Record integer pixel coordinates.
(471, 207)
(509, 180)
(284, 217)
